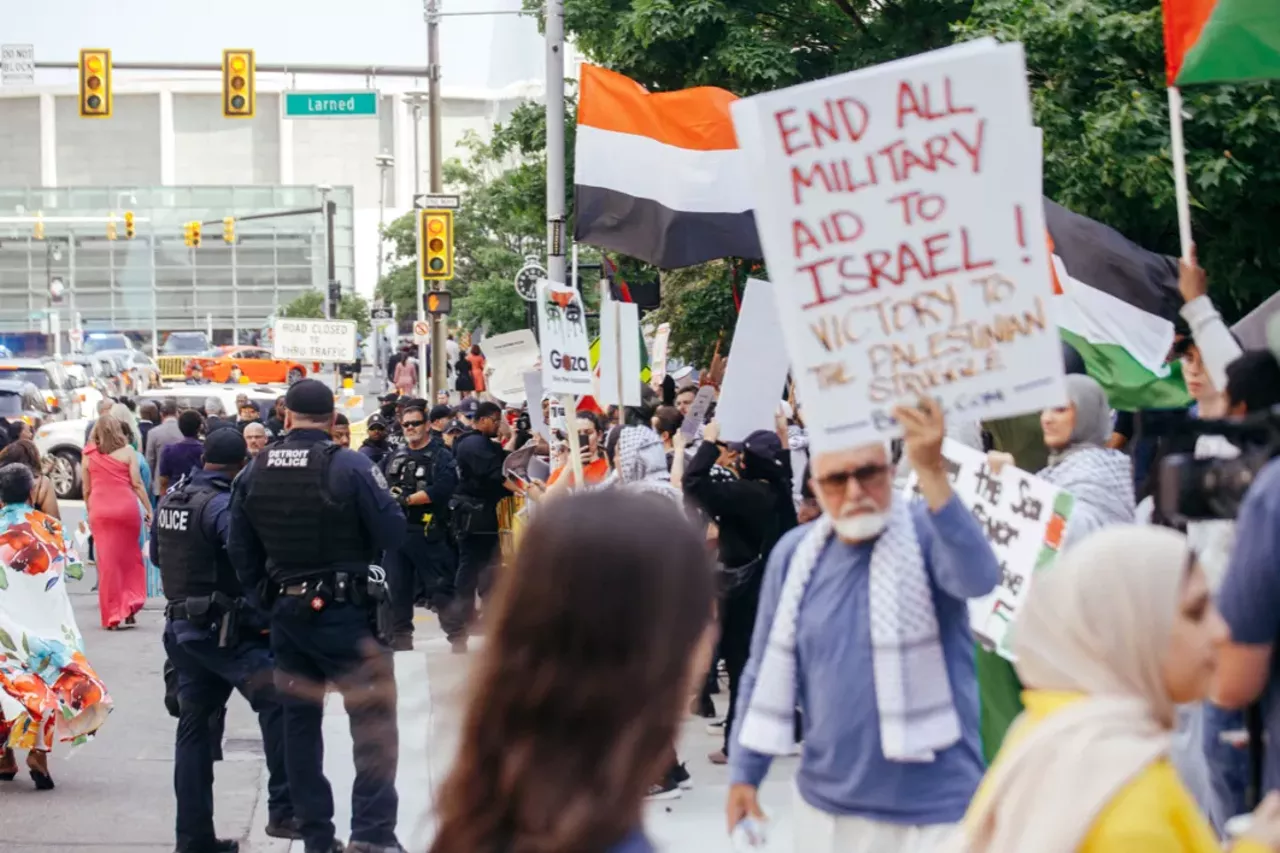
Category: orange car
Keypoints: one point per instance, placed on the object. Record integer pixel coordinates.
(228, 364)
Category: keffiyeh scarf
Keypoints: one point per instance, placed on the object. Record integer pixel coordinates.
(642, 463)
(913, 693)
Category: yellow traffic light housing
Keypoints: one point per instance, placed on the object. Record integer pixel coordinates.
(191, 234)
(229, 229)
(437, 244)
(129, 230)
(112, 233)
(438, 302)
(95, 83)
(238, 85)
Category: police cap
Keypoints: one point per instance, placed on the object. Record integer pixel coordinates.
(376, 422)
(225, 447)
(309, 397)
(439, 413)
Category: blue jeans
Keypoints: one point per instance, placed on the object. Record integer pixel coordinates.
(206, 677)
(1228, 765)
(336, 645)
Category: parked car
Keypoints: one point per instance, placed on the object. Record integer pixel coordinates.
(100, 341)
(23, 401)
(194, 396)
(137, 371)
(229, 364)
(87, 387)
(61, 446)
(49, 377)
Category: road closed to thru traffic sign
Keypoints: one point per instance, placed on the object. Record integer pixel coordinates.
(315, 340)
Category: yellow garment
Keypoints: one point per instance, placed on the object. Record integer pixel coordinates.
(1154, 813)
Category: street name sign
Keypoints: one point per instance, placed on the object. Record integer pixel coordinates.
(354, 104)
(17, 64)
(382, 313)
(436, 202)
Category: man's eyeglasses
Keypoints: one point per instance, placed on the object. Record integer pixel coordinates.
(868, 476)
(412, 424)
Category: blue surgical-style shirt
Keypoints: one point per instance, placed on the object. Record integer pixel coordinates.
(843, 770)
(1250, 596)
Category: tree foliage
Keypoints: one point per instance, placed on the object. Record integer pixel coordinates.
(502, 221)
(1098, 91)
(310, 306)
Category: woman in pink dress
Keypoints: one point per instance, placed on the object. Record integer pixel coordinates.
(112, 490)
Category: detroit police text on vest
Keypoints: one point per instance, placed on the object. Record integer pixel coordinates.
(284, 458)
(173, 519)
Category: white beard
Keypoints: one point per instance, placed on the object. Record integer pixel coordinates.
(858, 528)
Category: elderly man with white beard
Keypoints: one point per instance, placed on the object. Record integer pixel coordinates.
(863, 624)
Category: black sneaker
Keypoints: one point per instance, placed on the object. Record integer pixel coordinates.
(680, 775)
(667, 789)
(703, 706)
(402, 643)
(216, 845)
(289, 827)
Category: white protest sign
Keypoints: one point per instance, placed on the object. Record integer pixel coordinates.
(697, 415)
(620, 344)
(566, 350)
(658, 354)
(900, 215)
(1024, 519)
(509, 356)
(314, 340)
(757, 368)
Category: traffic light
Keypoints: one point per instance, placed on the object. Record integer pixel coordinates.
(238, 99)
(112, 233)
(129, 230)
(438, 302)
(437, 245)
(229, 229)
(39, 226)
(191, 233)
(95, 83)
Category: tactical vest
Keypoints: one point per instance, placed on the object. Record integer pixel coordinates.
(413, 471)
(189, 560)
(303, 528)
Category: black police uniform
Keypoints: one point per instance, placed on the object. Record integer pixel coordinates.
(481, 485)
(215, 647)
(426, 557)
(307, 518)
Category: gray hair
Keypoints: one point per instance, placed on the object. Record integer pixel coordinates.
(256, 426)
(213, 406)
(16, 483)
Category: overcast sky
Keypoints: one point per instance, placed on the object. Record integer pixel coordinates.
(484, 51)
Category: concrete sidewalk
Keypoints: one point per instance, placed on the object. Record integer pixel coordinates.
(430, 682)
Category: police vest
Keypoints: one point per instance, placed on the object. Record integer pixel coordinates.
(303, 528)
(412, 471)
(191, 565)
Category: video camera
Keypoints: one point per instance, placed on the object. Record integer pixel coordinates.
(1191, 489)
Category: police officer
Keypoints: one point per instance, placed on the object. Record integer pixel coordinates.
(422, 475)
(305, 517)
(214, 641)
(375, 444)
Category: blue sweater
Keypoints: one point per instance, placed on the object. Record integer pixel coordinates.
(843, 770)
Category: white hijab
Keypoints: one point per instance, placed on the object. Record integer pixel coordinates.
(1097, 622)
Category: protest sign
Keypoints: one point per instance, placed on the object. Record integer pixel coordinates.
(757, 367)
(533, 394)
(658, 354)
(1024, 519)
(900, 213)
(620, 343)
(697, 415)
(562, 322)
(508, 356)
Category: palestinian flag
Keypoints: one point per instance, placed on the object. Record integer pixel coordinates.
(1116, 305)
(645, 372)
(659, 177)
(1221, 41)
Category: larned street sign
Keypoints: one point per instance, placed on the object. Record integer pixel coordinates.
(436, 202)
(356, 104)
(382, 314)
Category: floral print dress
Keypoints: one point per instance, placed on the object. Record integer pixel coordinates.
(48, 689)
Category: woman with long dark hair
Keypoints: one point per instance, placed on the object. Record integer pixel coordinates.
(594, 642)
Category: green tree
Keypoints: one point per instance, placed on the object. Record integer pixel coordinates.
(501, 222)
(1097, 74)
(310, 305)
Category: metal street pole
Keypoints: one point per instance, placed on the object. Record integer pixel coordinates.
(555, 141)
(439, 352)
(384, 161)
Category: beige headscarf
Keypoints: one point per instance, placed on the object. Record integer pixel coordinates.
(1098, 622)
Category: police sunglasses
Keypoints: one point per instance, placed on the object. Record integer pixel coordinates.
(412, 424)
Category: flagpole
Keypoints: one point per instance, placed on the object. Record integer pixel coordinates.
(1180, 171)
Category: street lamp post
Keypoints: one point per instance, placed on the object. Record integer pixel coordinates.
(383, 161)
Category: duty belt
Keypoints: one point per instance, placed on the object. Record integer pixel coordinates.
(339, 587)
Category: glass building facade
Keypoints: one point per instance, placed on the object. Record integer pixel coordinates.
(154, 283)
